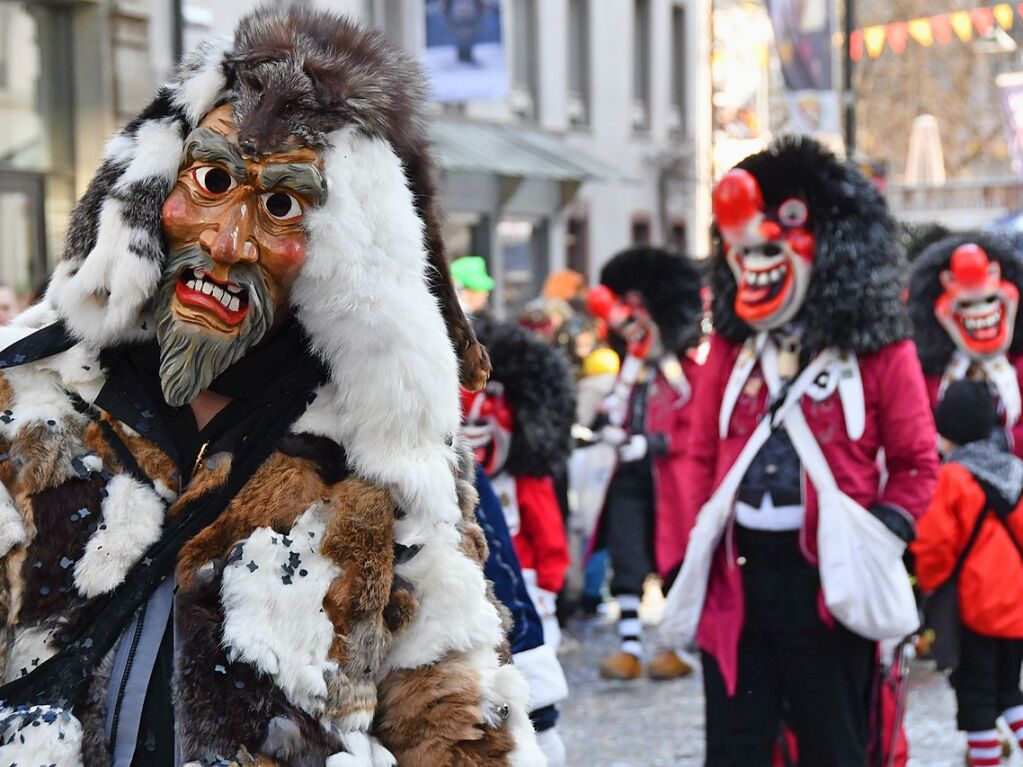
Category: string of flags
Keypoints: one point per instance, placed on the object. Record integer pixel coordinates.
(928, 30)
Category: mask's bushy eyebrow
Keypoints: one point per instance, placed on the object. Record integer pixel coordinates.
(206, 145)
(303, 178)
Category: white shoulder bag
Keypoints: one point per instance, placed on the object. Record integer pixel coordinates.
(865, 583)
(684, 604)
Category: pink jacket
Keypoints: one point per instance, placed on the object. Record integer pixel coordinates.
(898, 420)
(674, 518)
(1016, 433)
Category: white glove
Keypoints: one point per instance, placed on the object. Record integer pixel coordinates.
(633, 450)
(552, 747)
(613, 435)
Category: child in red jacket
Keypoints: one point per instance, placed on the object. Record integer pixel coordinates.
(979, 489)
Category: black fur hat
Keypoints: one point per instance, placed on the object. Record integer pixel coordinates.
(854, 301)
(670, 286)
(538, 385)
(932, 342)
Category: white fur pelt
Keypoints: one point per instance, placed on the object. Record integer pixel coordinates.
(40, 735)
(273, 619)
(363, 298)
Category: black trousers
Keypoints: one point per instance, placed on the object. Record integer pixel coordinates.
(792, 668)
(629, 531)
(987, 679)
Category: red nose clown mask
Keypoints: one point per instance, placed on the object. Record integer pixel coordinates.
(978, 307)
(487, 426)
(769, 250)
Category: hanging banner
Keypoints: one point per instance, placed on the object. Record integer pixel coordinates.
(1010, 85)
(464, 56)
(803, 33)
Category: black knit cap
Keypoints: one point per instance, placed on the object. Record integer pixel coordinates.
(966, 413)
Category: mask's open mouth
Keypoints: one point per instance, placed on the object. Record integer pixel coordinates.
(227, 300)
(762, 292)
(982, 325)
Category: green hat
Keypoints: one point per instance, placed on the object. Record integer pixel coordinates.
(471, 272)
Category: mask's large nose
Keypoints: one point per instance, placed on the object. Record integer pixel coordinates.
(233, 242)
(738, 205)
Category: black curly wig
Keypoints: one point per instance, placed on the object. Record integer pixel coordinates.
(853, 302)
(914, 239)
(670, 286)
(539, 387)
(932, 341)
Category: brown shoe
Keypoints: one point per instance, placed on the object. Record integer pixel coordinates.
(667, 665)
(621, 665)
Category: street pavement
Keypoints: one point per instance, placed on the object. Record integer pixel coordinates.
(656, 724)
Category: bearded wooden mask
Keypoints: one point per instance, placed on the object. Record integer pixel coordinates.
(236, 238)
(977, 308)
(770, 251)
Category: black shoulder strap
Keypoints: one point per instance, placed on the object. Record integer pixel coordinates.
(974, 534)
(45, 342)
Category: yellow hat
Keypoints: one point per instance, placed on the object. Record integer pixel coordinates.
(601, 362)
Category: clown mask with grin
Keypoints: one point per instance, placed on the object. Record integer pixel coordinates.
(977, 308)
(770, 250)
(234, 229)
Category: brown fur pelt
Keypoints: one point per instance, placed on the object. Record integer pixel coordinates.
(306, 73)
(431, 716)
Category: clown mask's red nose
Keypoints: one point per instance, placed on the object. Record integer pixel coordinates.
(737, 202)
(970, 265)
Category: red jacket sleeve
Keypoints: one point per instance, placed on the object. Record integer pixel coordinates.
(907, 430)
(700, 461)
(939, 534)
(543, 531)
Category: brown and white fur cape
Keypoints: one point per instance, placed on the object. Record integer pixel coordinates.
(391, 647)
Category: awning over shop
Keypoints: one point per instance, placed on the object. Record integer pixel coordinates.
(514, 152)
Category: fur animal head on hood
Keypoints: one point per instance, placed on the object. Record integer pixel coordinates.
(670, 287)
(292, 71)
(933, 343)
(853, 302)
(538, 385)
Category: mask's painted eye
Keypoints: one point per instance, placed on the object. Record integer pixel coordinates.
(214, 180)
(282, 206)
(793, 212)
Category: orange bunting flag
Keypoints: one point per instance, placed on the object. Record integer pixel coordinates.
(983, 19)
(962, 24)
(942, 28)
(874, 38)
(920, 30)
(1020, 9)
(898, 36)
(1003, 15)
(856, 45)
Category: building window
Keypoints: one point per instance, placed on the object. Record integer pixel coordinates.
(677, 114)
(641, 229)
(524, 55)
(641, 66)
(579, 62)
(577, 244)
(678, 235)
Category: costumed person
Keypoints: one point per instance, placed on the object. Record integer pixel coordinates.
(650, 299)
(464, 18)
(520, 429)
(971, 539)
(964, 303)
(472, 283)
(537, 660)
(237, 522)
(796, 555)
